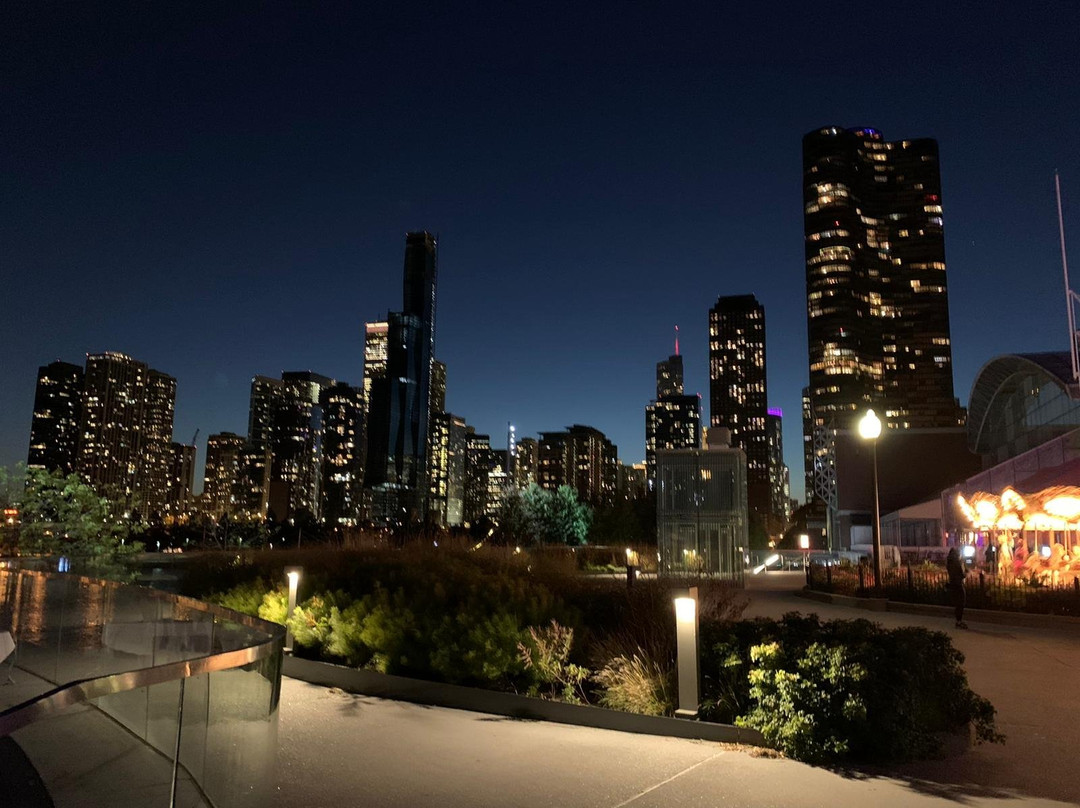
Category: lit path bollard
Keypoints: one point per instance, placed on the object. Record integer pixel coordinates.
(686, 634)
(293, 574)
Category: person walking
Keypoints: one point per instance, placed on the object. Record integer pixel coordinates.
(955, 567)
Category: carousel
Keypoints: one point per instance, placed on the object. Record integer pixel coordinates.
(1037, 535)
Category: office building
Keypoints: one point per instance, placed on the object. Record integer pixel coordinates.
(54, 431)
(526, 462)
(342, 476)
(876, 292)
(779, 477)
(296, 445)
(446, 470)
(582, 458)
(737, 388)
(266, 396)
(399, 406)
(125, 443)
(479, 460)
(223, 474)
(672, 420)
(181, 497)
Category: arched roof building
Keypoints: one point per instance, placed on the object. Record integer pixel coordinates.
(1019, 402)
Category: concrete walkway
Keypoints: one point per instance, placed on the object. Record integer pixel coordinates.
(342, 750)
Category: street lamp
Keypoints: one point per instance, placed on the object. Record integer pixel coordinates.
(686, 636)
(870, 429)
(293, 574)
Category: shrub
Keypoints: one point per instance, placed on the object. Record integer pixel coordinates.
(841, 690)
(546, 654)
(245, 598)
(637, 684)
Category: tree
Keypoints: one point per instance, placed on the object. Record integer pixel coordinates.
(64, 516)
(536, 516)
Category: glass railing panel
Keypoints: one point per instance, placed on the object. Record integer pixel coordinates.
(241, 734)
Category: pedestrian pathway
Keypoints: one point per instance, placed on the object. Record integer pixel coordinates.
(339, 749)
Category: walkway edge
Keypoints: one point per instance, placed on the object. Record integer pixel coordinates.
(400, 688)
(972, 615)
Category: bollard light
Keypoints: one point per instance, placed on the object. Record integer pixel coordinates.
(686, 635)
(293, 574)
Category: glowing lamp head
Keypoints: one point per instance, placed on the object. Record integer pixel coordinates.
(804, 542)
(685, 609)
(869, 426)
(294, 578)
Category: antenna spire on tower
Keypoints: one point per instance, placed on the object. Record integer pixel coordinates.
(676, 340)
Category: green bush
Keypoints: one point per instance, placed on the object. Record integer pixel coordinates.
(841, 690)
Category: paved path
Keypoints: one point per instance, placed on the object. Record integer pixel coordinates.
(342, 750)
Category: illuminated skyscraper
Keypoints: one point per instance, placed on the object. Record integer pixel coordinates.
(876, 294)
(223, 474)
(584, 459)
(446, 470)
(125, 445)
(54, 432)
(779, 476)
(737, 388)
(673, 420)
(266, 395)
(296, 444)
(375, 351)
(181, 479)
(342, 476)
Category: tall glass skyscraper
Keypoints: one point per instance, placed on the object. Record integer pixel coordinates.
(400, 402)
(876, 294)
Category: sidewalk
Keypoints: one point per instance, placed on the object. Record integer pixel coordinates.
(1031, 675)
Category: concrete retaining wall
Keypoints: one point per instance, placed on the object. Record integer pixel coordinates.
(400, 688)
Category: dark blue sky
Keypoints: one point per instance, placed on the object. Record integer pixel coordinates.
(223, 189)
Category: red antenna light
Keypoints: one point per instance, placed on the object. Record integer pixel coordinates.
(676, 340)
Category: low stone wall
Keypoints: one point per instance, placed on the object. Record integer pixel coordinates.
(400, 688)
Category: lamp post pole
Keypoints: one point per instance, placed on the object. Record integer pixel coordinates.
(870, 429)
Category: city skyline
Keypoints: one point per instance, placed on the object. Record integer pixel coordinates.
(219, 242)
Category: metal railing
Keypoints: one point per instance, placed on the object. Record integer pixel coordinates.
(927, 584)
(127, 695)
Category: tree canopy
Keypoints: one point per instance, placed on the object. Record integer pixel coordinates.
(62, 515)
(534, 515)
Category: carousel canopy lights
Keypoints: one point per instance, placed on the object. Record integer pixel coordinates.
(1056, 508)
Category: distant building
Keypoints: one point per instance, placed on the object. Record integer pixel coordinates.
(266, 395)
(581, 458)
(342, 472)
(527, 463)
(779, 478)
(296, 445)
(222, 475)
(876, 291)
(399, 406)
(479, 459)
(446, 470)
(701, 508)
(737, 388)
(125, 443)
(181, 497)
(54, 431)
(633, 481)
(672, 420)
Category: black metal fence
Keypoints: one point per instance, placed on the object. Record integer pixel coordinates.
(927, 584)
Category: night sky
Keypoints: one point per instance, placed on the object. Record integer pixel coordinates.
(223, 189)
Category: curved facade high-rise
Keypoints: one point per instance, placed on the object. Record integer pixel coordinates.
(876, 292)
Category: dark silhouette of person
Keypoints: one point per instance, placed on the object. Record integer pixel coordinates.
(955, 567)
